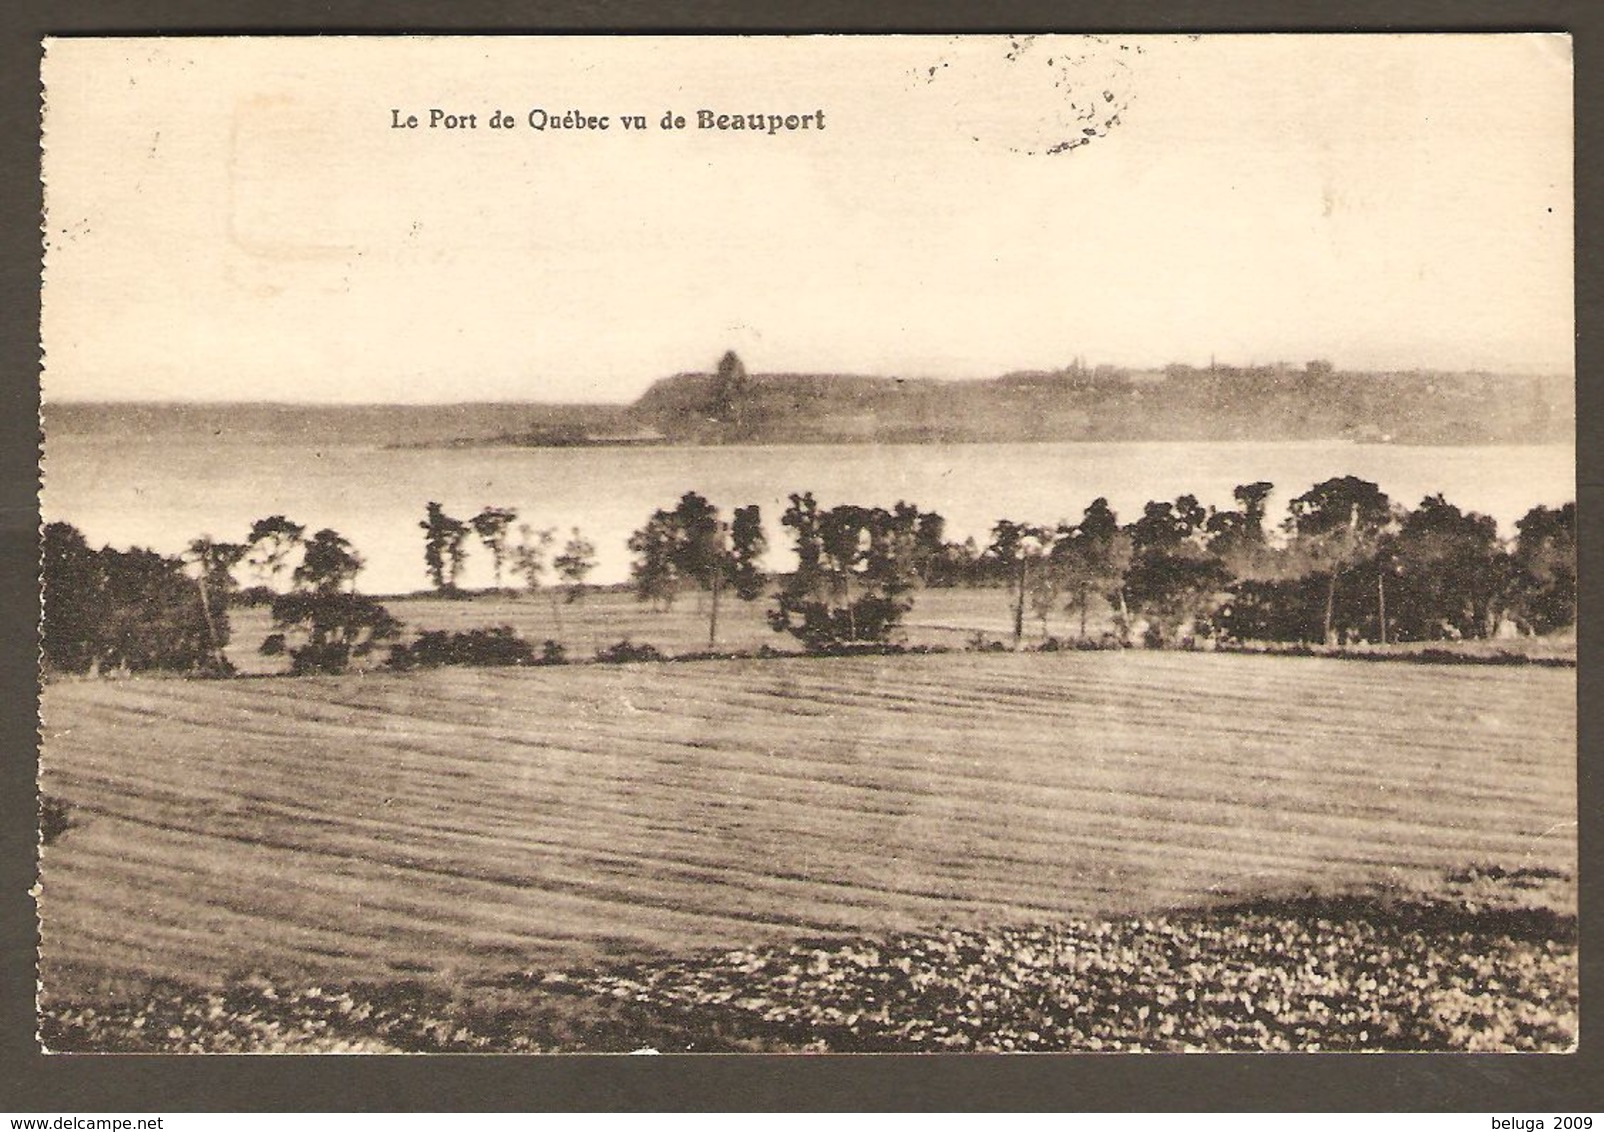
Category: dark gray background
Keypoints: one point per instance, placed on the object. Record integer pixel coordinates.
(1538, 1084)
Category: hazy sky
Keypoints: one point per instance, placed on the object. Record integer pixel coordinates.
(240, 220)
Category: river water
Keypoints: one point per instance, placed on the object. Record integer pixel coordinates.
(161, 491)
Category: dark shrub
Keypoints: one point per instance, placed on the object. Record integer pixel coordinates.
(496, 647)
(332, 627)
(855, 574)
(330, 656)
(1054, 644)
(627, 652)
(822, 627)
(123, 609)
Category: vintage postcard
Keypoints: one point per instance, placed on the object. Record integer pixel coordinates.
(808, 544)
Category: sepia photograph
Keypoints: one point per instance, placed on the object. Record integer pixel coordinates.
(808, 544)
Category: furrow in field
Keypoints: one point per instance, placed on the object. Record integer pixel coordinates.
(1058, 801)
(452, 818)
(806, 770)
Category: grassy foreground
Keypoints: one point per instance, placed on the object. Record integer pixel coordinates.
(398, 846)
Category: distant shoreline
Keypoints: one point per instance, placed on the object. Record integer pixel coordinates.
(472, 444)
(1312, 403)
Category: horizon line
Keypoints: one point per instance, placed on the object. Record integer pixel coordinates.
(301, 402)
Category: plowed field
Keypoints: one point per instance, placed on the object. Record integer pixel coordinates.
(459, 822)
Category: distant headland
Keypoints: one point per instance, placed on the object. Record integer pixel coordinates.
(1314, 401)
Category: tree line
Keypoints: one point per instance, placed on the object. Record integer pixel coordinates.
(139, 610)
(445, 549)
(1346, 564)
